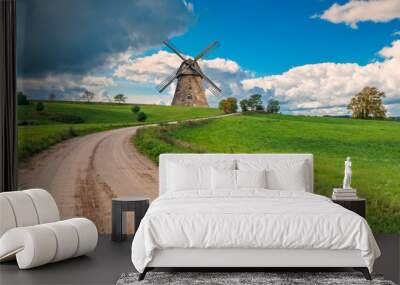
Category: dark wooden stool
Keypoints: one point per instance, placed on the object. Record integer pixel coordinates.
(120, 206)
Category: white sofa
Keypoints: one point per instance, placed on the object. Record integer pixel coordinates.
(31, 230)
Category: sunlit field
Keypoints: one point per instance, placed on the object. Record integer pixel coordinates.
(373, 145)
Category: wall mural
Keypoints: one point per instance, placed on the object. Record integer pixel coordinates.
(250, 77)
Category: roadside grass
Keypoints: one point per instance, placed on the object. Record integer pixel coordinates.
(373, 145)
(149, 142)
(43, 131)
(33, 139)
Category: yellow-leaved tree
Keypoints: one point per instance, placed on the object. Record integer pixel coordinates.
(368, 104)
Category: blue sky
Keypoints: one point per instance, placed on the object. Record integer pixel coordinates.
(269, 37)
(312, 55)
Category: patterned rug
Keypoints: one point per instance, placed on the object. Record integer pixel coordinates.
(243, 278)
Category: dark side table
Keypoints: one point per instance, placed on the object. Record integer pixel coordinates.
(120, 206)
(356, 205)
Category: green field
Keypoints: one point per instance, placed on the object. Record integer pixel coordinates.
(373, 145)
(43, 131)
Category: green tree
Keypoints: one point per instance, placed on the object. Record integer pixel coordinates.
(120, 98)
(87, 95)
(273, 106)
(228, 105)
(141, 116)
(39, 106)
(22, 99)
(254, 102)
(367, 104)
(135, 109)
(244, 105)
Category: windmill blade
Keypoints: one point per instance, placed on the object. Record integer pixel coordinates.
(206, 50)
(166, 82)
(174, 49)
(212, 90)
(214, 86)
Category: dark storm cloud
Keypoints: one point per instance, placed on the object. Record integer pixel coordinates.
(75, 36)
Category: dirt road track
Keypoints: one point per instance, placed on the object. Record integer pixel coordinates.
(84, 173)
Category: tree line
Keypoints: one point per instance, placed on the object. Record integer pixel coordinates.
(253, 103)
(366, 104)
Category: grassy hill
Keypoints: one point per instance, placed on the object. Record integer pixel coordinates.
(55, 122)
(373, 145)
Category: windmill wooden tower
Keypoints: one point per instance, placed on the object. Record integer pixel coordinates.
(190, 89)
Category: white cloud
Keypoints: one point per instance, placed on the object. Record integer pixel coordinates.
(337, 111)
(66, 86)
(149, 69)
(163, 99)
(356, 11)
(96, 81)
(392, 51)
(318, 88)
(224, 65)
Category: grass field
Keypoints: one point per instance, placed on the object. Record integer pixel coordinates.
(373, 145)
(43, 131)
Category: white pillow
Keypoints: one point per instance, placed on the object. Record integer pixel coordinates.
(223, 179)
(251, 178)
(230, 180)
(188, 174)
(281, 175)
(291, 178)
(188, 177)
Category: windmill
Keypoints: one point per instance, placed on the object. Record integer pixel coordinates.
(190, 89)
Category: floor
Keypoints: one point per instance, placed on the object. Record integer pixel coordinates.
(103, 266)
(110, 260)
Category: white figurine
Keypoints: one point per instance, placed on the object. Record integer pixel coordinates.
(347, 174)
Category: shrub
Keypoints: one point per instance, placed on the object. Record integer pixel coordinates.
(135, 109)
(39, 106)
(141, 116)
(22, 99)
(25, 122)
